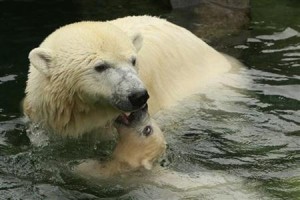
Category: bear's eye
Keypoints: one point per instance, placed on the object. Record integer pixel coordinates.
(147, 131)
(133, 61)
(101, 67)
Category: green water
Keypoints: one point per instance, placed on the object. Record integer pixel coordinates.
(248, 133)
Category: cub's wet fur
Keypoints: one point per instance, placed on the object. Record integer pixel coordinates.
(141, 143)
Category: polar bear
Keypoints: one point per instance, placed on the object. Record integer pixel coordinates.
(84, 75)
(141, 143)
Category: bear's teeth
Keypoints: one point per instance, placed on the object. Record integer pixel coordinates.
(122, 119)
(125, 119)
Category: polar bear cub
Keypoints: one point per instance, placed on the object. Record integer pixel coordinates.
(141, 143)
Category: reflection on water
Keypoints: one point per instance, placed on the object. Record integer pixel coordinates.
(239, 138)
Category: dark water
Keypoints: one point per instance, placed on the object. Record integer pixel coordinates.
(243, 133)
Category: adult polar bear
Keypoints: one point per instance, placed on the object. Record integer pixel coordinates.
(84, 75)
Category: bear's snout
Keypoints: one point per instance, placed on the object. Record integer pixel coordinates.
(139, 98)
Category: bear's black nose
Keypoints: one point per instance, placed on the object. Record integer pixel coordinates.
(138, 99)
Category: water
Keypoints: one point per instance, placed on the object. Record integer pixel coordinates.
(238, 139)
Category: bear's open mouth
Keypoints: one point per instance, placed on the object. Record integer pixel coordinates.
(123, 119)
(128, 118)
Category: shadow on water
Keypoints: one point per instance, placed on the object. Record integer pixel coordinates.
(246, 132)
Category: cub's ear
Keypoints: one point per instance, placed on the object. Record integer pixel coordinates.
(137, 40)
(147, 164)
(41, 58)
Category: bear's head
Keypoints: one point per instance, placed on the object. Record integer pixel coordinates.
(141, 140)
(83, 68)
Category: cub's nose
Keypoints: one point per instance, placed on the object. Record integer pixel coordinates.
(138, 99)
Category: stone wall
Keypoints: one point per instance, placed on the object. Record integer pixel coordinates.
(234, 4)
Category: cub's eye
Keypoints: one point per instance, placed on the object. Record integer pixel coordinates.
(101, 67)
(133, 61)
(147, 131)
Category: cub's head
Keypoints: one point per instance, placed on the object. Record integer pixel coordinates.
(141, 140)
(94, 61)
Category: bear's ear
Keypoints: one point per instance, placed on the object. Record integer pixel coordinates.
(137, 40)
(40, 58)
